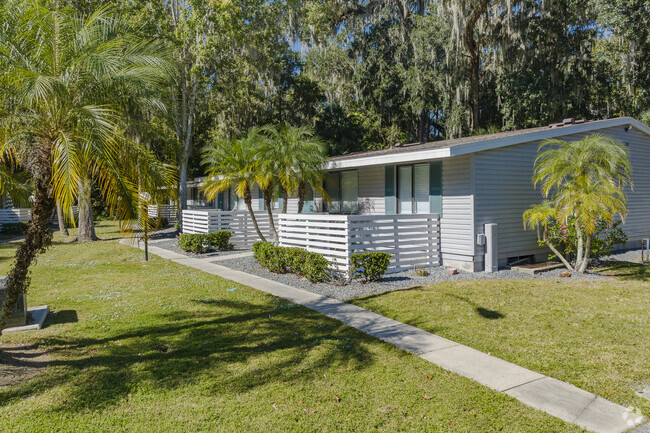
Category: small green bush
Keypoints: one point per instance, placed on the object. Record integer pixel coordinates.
(194, 243)
(281, 260)
(220, 240)
(314, 267)
(14, 228)
(371, 266)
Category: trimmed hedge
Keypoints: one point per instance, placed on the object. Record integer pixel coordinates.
(194, 243)
(200, 244)
(282, 260)
(371, 266)
(220, 240)
(14, 228)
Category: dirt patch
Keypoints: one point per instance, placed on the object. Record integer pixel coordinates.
(20, 363)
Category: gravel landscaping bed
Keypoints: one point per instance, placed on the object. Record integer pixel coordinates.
(171, 244)
(633, 256)
(396, 281)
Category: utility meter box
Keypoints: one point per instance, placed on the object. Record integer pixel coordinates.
(480, 240)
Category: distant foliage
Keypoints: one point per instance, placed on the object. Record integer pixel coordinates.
(370, 266)
(282, 260)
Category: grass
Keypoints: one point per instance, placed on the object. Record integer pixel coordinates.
(135, 345)
(591, 334)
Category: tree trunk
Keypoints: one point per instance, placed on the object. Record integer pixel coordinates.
(302, 192)
(474, 52)
(585, 259)
(579, 253)
(182, 190)
(285, 200)
(423, 126)
(249, 204)
(38, 237)
(268, 204)
(86, 231)
(59, 215)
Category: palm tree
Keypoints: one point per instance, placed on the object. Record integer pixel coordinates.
(233, 164)
(296, 157)
(61, 73)
(585, 180)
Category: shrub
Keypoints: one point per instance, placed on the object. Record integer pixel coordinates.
(314, 267)
(14, 228)
(371, 266)
(270, 256)
(281, 260)
(220, 240)
(195, 243)
(604, 239)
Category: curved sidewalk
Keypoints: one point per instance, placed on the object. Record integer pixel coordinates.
(552, 396)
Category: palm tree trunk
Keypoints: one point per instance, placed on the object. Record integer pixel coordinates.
(560, 256)
(249, 204)
(59, 215)
(86, 224)
(579, 253)
(302, 192)
(38, 236)
(585, 260)
(285, 197)
(269, 211)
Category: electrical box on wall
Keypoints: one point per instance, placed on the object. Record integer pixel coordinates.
(480, 240)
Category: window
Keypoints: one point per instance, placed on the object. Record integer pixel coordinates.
(413, 189)
(343, 189)
(234, 202)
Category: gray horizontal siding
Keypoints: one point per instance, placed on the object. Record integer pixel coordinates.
(456, 224)
(503, 191)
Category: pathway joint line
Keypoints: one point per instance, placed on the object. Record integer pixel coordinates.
(442, 348)
(604, 417)
(526, 383)
(585, 409)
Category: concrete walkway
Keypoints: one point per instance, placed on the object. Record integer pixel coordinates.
(555, 397)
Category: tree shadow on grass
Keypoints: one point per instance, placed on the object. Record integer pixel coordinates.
(231, 346)
(486, 313)
(626, 270)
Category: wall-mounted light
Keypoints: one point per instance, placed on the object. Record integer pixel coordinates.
(627, 128)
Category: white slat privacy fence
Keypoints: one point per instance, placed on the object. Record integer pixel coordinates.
(162, 211)
(239, 223)
(15, 215)
(412, 240)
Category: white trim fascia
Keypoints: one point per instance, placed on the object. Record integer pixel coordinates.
(545, 134)
(393, 158)
(463, 149)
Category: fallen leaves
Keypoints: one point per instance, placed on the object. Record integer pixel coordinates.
(309, 410)
(337, 398)
(426, 397)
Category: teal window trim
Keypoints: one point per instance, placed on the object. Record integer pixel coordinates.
(435, 187)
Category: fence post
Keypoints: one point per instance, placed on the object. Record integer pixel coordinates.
(347, 243)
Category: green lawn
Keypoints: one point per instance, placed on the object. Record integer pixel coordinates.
(594, 335)
(235, 360)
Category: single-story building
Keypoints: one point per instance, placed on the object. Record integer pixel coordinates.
(469, 182)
